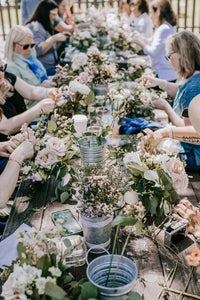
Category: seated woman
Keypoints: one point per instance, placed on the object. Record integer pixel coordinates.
(21, 60)
(127, 16)
(8, 178)
(142, 21)
(12, 91)
(164, 21)
(41, 24)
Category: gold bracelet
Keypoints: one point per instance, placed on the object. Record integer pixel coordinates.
(12, 159)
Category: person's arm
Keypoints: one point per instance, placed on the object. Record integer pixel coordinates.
(12, 125)
(194, 112)
(48, 43)
(62, 27)
(185, 134)
(30, 92)
(164, 105)
(170, 87)
(8, 178)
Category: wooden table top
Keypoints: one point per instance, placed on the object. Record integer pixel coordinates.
(34, 204)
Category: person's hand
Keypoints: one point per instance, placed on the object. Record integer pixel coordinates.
(54, 94)
(150, 141)
(59, 37)
(22, 152)
(160, 104)
(46, 105)
(6, 148)
(185, 210)
(48, 84)
(149, 81)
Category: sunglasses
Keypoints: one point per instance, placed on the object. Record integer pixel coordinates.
(53, 12)
(3, 67)
(26, 46)
(169, 56)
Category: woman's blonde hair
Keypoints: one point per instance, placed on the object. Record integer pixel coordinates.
(6, 89)
(16, 34)
(187, 45)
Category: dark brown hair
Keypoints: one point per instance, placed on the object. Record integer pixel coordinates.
(143, 6)
(166, 12)
(41, 14)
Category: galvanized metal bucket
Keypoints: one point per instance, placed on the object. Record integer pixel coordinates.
(100, 89)
(97, 271)
(91, 152)
(97, 232)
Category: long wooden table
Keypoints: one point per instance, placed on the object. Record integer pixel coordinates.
(34, 204)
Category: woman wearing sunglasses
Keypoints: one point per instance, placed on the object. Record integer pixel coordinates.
(21, 60)
(41, 24)
(164, 21)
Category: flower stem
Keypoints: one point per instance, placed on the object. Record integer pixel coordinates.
(172, 273)
(186, 284)
(113, 250)
(122, 253)
(182, 293)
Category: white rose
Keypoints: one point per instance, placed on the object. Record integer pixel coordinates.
(45, 159)
(132, 156)
(77, 87)
(79, 60)
(56, 146)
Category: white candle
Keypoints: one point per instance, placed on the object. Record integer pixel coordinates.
(80, 123)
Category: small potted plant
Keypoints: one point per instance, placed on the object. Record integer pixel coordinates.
(98, 196)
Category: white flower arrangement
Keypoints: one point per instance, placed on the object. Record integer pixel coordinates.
(79, 61)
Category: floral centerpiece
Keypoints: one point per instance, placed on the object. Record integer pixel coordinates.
(136, 68)
(76, 97)
(155, 177)
(99, 69)
(40, 271)
(65, 74)
(135, 98)
(98, 194)
(82, 40)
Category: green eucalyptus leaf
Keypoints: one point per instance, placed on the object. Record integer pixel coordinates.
(66, 179)
(124, 221)
(52, 126)
(88, 290)
(64, 197)
(90, 98)
(44, 264)
(135, 296)
(54, 291)
(154, 204)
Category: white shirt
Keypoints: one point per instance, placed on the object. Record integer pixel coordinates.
(156, 51)
(143, 25)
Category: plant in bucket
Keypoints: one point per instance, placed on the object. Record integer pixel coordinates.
(98, 195)
(115, 275)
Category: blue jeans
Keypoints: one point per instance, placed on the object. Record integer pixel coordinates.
(189, 158)
(3, 163)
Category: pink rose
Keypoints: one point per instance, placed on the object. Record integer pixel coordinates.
(56, 146)
(176, 170)
(83, 77)
(45, 159)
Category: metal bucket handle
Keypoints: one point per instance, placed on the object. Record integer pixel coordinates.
(95, 247)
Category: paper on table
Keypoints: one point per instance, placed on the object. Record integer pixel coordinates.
(8, 247)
